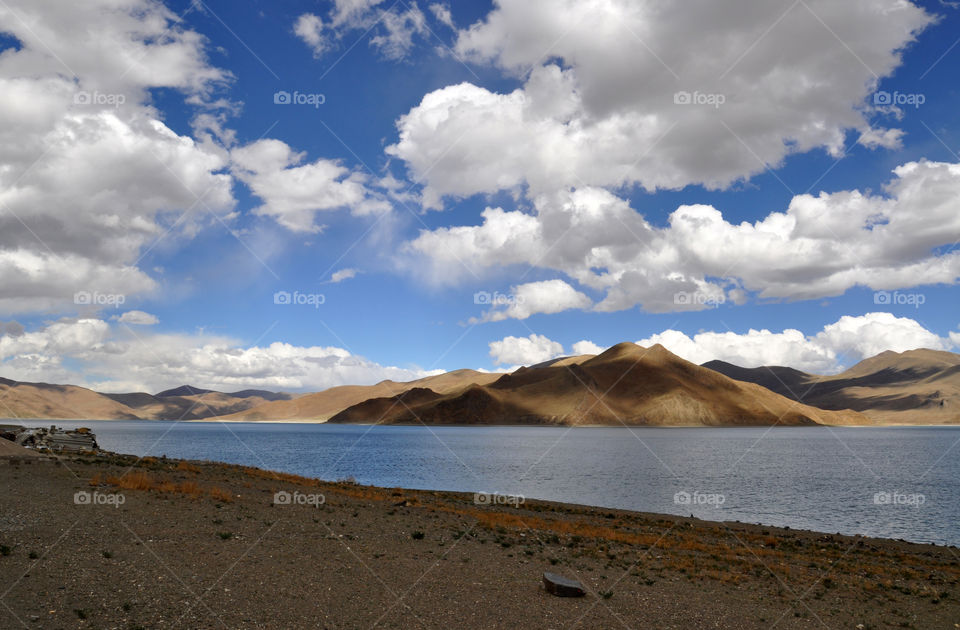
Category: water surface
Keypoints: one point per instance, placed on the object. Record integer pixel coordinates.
(819, 478)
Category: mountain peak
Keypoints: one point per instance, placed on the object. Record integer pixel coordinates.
(184, 390)
(919, 360)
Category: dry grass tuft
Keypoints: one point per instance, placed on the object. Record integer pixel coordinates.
(187, 467)
(221, 495)
(136, 480)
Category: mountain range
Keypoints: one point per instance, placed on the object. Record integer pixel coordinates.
(912, 387)
(43, 400)
(626, 384)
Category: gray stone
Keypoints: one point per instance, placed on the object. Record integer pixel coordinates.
(561, 586)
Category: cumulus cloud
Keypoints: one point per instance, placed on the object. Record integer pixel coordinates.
(524, 350)
(309, 28)
(821, 245)
(293, 193)
(138, 318)
(55, 341)
(118, 359)
(873, 333)
(586, 347)
(524, 300)
(838, 345)
(699, 75)
(394, 26)
(88, 173)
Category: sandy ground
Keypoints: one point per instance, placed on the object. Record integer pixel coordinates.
(167, 544)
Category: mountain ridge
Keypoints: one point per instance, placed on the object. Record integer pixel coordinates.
(914, 387)
(919, 386)
(625, 385)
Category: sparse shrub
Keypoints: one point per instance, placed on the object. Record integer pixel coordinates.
(417, 535)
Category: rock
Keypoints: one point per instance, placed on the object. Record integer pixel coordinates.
(561, 586)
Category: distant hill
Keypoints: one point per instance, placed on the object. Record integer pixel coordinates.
(625, 385)
(321, 406)
(913, 387)
(183, 390)
(44, 400)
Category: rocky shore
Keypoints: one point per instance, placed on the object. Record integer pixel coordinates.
(113, 541)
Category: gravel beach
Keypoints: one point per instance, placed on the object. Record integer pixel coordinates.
(119, 542)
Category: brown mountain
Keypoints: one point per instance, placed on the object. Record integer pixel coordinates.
(44, 400)
(321, 406)
(194, 403)
(627, 384)
(912, 387)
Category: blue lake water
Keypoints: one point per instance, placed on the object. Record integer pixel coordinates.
(898, 482)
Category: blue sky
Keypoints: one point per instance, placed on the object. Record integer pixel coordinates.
(425, 123)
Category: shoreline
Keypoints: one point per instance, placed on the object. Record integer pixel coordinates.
(197, 544)
(467, 495)
(214, 420)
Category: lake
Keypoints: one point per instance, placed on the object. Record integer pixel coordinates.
(897, 482)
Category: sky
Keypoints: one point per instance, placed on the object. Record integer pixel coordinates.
(298, 195)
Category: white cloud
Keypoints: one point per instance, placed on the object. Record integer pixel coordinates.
(309, 28)
(399, 29)
(442, 13)
(886, 138)
(524, 350)
(55, 341)
(751, 349)
(394, 26)
(138, 318)
(586, 347)
(115, 359)
(343, 274)
(548, 296)
(819, 246)
(88, 173)
(838, 345)
(600, 121)
(293, 193)
(871, 334)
